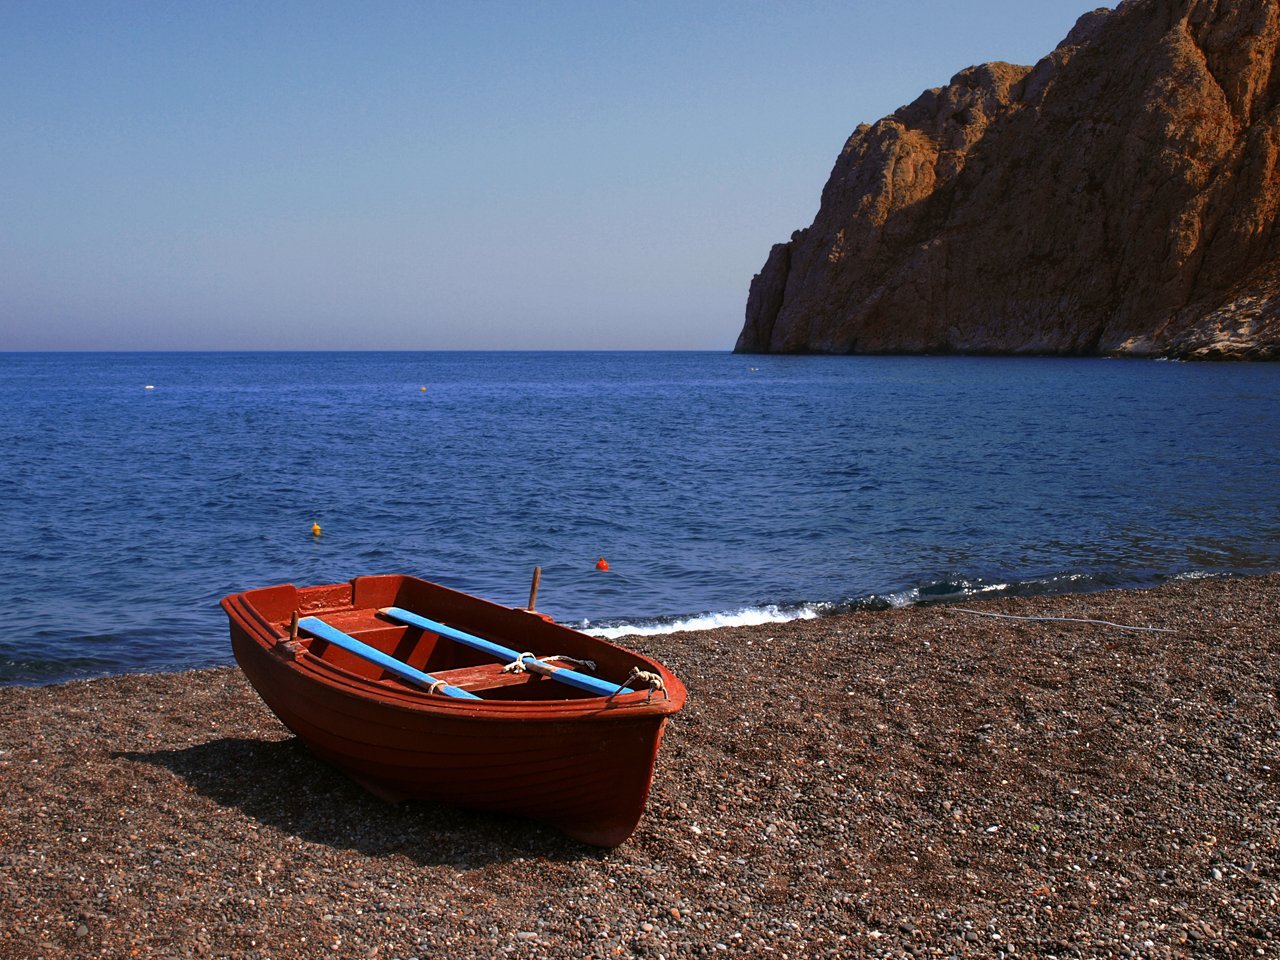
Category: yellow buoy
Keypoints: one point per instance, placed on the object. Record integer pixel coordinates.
(423, 389)
(315, 529)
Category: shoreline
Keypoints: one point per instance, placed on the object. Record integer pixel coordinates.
(945, 593)
(913, 780)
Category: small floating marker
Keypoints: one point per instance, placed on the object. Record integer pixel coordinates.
(602, 564)
(315, 529)
(423, 389)
(149, 386)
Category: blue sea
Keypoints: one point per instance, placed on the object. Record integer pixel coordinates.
(138, 489)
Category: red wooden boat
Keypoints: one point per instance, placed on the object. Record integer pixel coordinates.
(406, 686)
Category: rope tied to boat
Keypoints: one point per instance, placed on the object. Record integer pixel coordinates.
(652, 680)
(437, 686)
(545, 666)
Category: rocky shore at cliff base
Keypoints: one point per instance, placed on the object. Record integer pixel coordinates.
(925, 781)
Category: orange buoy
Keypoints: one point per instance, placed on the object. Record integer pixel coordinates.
(315, 529)
(602, 564)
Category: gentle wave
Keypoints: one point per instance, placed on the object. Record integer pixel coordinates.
(745, 617)
(1196, 574)
(934, 591)
(962, 588)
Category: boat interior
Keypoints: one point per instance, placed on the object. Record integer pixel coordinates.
(435, 659)
(442, 658)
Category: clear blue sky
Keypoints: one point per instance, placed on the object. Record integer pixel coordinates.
(395, 175)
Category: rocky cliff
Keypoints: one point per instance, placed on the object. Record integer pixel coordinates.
(1119, 197)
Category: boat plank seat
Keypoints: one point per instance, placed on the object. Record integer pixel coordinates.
(485, 676)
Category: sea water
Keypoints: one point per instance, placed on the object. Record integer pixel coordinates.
(137, 489)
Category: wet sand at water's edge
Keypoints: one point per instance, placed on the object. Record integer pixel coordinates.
(921, 781)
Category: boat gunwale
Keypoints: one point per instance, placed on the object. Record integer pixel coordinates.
(267, 637)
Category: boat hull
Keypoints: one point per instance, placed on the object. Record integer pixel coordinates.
(583, 764)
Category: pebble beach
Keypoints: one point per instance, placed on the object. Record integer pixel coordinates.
(926, 781)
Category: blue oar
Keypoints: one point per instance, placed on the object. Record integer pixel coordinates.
(582, 681)
(390, 664)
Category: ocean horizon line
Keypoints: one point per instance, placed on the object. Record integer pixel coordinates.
(748, 358)
(387, 350)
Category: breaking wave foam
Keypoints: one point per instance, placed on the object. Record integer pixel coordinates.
(745, 617)
(936, 591)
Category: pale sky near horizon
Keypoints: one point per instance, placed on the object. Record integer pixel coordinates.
(421, 176)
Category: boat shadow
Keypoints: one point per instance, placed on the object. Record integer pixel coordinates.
(281, 784)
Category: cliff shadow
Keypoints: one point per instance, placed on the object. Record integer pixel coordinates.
(280, 783)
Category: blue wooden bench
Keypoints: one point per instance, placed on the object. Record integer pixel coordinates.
(583, 681)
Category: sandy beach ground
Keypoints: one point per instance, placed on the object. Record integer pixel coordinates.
(921, 781)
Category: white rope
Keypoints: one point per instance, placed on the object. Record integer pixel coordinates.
(1105, 623)
(572, 661)
(517, 665)
(527, 662)
(653, 680)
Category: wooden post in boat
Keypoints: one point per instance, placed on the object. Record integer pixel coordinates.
(533, 588)
(293, 627)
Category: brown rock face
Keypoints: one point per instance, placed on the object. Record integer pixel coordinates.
(1118, 198)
